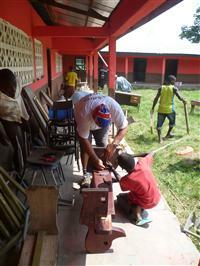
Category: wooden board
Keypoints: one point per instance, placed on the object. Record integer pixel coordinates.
(49, 251)
(27, 250)
(103, 179)
(43, 209)
(48, 255)
(128, 98)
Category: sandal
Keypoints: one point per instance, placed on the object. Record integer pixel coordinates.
(143, 221)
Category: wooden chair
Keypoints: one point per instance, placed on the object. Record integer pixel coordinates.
(61, 130)
(44, 163)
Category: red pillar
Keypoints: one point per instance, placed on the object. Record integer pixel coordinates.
(126, 67)
(96, 72)
(163, 71)
(87, 68)
(91, 72)
(112, 65)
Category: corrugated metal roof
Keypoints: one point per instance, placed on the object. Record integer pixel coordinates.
(91, 13)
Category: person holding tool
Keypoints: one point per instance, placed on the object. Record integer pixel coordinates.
(166, 105)
(141, 184)
(94, 114)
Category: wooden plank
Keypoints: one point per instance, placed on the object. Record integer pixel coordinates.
(8, 214)
(195, 102)
(27, 251)
(49, 251)
(11, 199)
(128, 98)
(43, 202)
(48, 255)
(11, 243)
(103, 224)
(42, 110)
(38, 249)
(15, 184)
(3, 230)
(47, 98)
(103, 179)
(29, 95)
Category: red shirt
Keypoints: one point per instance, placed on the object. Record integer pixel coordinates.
(142, 184)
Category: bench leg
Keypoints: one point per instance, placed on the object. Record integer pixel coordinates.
(192, 109)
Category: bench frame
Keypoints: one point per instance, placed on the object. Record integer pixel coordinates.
(97, 212)
(193, 104)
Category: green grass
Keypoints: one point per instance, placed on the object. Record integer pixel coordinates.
(179, 181)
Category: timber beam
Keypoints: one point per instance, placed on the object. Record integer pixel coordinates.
(72, 44)
(65, 31)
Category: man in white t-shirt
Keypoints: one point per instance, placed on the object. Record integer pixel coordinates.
(77, 95)
(74, 95)
(94, 114)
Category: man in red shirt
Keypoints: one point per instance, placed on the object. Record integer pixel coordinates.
(141, 184)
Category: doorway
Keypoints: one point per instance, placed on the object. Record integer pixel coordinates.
(139, 69)
(81, 68)
(171, 67)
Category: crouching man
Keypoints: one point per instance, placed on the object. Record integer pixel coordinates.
(141, 184)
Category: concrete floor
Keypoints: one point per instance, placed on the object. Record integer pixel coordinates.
(161, 243)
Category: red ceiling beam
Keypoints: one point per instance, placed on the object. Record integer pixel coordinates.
(72, 52)
(65, 31)
(72, 44)
(100, 43)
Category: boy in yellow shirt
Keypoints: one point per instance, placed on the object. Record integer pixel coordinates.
(71, 78)
(166, 105)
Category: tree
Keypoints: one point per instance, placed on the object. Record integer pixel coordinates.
(192, 33)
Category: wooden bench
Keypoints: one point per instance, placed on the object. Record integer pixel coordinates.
(97, 212)
(128, 98)
(193, 104)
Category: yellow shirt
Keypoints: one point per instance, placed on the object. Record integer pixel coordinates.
(166, 104)
(71, 78)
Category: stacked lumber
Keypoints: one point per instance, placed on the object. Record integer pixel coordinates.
(13, 212)
(39, 250)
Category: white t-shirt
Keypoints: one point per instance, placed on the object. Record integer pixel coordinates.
(77, 95)
(83, 113)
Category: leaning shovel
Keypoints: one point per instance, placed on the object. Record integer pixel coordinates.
(186, 117)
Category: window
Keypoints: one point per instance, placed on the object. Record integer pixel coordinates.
(39, 59)
(80, 64)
